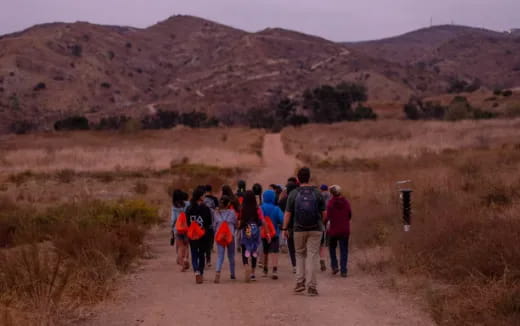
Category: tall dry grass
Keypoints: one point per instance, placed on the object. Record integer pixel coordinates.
(143, 150)
(64, 256)
(466, 209)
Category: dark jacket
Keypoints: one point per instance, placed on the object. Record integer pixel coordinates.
(201, 214)
(339, 214)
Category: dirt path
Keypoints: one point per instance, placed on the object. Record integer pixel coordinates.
(159, 294)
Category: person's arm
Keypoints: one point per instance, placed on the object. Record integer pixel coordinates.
(173, 218)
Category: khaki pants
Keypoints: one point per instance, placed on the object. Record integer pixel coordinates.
(307, 246)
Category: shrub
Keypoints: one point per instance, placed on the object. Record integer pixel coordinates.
(76, 50)
(40, 86)
(328, 104)
(364, 113)
(513, 110)
(22, 127)
(112, 123)
(507, 93)
(72, 123)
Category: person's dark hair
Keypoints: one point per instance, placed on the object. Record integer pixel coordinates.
(228, 192)
(304, 175)
(224, 202)
(208, 188)
(257, 189)
(197, 195)
(178, 198)
(241, 186)
(290, 187)
(292, 179)
(249, 212)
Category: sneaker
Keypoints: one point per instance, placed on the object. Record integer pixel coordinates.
(343, 274)
(335, 271)
(198, 279)
(253, 277)
(294, 270)
(186, 266)
(323, 266)
(300, 287)
(217, 278)
(274, 276)
(312, 292)
(232, 277)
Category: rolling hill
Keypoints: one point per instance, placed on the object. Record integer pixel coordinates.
(186, 63)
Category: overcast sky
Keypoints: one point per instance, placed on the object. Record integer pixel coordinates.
(339, 20)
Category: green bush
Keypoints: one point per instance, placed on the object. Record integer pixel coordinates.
(72, 123)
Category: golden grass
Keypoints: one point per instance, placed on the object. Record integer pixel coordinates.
(466, 206)
(143, 150)
(375, 139)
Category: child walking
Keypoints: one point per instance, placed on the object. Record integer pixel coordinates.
(199, 213)
(180, 202)
(271, 242)
(250, 223)
(225, 214)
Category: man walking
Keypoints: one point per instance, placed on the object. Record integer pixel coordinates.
(306, 207)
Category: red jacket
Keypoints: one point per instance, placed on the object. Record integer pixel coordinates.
(339, 215)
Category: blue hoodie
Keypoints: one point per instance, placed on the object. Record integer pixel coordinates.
(270, 209)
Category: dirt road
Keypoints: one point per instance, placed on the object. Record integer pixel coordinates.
(159, 294)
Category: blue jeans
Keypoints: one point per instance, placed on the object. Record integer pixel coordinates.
(343, 253)
(198, 258)
(221, 251)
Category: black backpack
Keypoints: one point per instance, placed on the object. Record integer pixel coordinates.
(307, 215)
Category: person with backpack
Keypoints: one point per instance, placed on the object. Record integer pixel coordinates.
(236, 206)
(180, 203)
(273, 219)
(212, 202)
(199, 221)
(339, 215)
(241, 189)
(324, 239)
(250, 223)
(307, 207)
(225, 224)
(291, 186)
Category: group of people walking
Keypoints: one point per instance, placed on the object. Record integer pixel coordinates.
(254, 223)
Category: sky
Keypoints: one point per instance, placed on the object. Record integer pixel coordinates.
(337, 20)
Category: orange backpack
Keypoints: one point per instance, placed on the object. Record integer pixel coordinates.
(181, 225)
(268, 231)
(224, 237)
(195, 231)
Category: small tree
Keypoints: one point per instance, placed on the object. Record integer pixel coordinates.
(72, 123)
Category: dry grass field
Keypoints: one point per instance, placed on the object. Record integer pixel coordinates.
(74, 207)
(463, 246)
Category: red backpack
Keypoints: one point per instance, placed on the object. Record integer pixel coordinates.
(224, 237)
(195, 231)
(181, 225)
(268, 230)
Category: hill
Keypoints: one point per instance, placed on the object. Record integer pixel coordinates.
(186, 63)
(454, 52)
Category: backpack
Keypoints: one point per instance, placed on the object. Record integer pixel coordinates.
(224, 237)
(306, 213)
(268, 230)
(251, 232)
(181, 225)
(195, 231)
